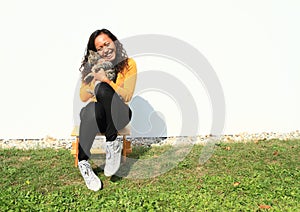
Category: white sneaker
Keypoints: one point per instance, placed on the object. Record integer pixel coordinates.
(91, 180)
(113, 157)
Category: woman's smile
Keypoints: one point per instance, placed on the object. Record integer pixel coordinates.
(105, 47)
(109, 55)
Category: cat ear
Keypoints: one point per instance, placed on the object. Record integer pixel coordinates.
(91, 52)
(90, 56)
(93, 57)
(94, 54)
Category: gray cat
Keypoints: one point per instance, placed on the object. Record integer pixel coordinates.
(97, 64)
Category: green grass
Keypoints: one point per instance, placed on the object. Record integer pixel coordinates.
(238, 177)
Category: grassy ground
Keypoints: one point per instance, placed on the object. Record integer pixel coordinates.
(261, 176)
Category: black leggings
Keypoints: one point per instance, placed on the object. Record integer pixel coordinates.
(108, 115)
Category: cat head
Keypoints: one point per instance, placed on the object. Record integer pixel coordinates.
(93, 57)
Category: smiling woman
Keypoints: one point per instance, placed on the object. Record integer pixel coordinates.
(108, 47)
(107, 111)
(105, 47)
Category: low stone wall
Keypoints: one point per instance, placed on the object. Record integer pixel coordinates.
(241, 138)
(50, 142)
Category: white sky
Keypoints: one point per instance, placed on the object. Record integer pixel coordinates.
(252, 45)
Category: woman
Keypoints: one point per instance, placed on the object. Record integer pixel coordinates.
(107, 111)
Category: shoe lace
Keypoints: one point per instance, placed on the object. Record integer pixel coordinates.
(87, 171)
(118, 146)
(108, 152)
(113, 146)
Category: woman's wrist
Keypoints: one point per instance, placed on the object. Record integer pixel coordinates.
(106, 80)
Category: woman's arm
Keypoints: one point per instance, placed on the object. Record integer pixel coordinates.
(125, 85)
(86, 91)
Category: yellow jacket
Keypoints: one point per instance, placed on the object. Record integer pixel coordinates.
(124, 85)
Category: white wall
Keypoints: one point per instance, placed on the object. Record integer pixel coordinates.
(253, 47)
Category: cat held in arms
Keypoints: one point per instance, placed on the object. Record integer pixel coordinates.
(95, 64)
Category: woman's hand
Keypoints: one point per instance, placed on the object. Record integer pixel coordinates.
(101, 76)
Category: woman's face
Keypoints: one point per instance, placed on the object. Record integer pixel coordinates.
(105, 47)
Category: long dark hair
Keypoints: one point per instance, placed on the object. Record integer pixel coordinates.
(120, 62)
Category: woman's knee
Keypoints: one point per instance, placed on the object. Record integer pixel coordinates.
(87, 113)
(104, 90)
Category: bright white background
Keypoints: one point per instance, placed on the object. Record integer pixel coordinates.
(252, 45)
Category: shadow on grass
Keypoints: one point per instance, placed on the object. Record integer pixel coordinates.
(126, 164)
